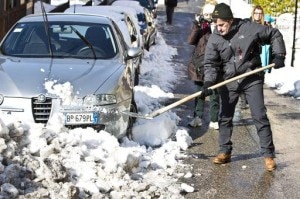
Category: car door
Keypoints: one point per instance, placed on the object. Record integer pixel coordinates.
(135, 42)
(129, 74)
(151, 28)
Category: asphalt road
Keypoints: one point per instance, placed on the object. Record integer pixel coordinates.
(245, 177)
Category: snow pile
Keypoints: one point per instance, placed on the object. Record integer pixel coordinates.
(83, 163)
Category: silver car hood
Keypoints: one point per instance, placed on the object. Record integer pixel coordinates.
(26, 77)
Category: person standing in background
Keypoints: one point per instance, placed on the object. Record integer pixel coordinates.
(235, 42)
(266, 51)
(260, 17)
(201, 30)
(257, 15)
(170, 7)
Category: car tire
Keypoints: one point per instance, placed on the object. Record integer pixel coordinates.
(154, 41)
(147, 46)
(131, 120)
(136, 77)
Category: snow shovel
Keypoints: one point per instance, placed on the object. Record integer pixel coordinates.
(185, 99)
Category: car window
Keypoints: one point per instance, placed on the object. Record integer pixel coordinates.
(66, 39)
(119, 34)
(147, 4)
(132, 31)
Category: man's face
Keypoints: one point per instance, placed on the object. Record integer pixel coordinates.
(223, 26)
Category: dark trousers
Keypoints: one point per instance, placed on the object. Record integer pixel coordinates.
(169, 13)
(214, 104)
(255, 98)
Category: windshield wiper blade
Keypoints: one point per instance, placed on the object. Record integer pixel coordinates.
(85, 41)
(46, 24)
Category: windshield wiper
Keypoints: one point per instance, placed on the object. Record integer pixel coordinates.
(46, 24)
(85, 41)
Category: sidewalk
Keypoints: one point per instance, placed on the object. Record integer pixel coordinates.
(284, 115)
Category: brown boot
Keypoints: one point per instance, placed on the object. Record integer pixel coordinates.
(222, 158)
(270, 164)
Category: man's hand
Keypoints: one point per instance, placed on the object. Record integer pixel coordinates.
(206, 91)
(278, 60)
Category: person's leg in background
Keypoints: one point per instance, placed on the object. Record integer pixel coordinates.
(169, 13)
(199, 108)
(214, 110)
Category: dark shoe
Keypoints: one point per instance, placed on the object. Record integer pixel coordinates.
(222, 158)
(270, 164)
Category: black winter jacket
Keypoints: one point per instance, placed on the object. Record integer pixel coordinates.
(238, 51)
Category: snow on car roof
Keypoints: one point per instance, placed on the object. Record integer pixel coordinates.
(133, 4)
(66, 17)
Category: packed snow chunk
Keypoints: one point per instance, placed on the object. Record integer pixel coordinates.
(187, 188)
(188, 175)
(3, 130)
(156, 131)
(2, 145)
(64, 91)
(184, 140)
(9, 191)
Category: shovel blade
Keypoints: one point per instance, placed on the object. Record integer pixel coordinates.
(137, 115)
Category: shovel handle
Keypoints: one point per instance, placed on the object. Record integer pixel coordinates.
(185, 99)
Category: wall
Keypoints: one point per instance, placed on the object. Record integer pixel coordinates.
(285, 23)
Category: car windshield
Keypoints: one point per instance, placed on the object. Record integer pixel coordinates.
(66, 39)
(146, 4)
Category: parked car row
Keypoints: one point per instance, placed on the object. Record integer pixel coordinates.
(145, 19)
(97, 49)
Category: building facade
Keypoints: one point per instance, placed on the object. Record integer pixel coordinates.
(11, 11)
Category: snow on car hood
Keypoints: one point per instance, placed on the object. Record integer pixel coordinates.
(26, 77)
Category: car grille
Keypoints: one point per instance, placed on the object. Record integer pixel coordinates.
(41, 110)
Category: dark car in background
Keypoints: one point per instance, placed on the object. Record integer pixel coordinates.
(150, 5)
(146, 21)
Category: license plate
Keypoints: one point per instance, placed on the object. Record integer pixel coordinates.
(82, 118)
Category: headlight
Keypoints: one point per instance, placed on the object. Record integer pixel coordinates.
(1, 99)
(99, 99)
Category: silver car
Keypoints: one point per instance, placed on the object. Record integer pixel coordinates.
(86, 51)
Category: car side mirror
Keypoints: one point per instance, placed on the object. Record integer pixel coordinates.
(133, 52)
